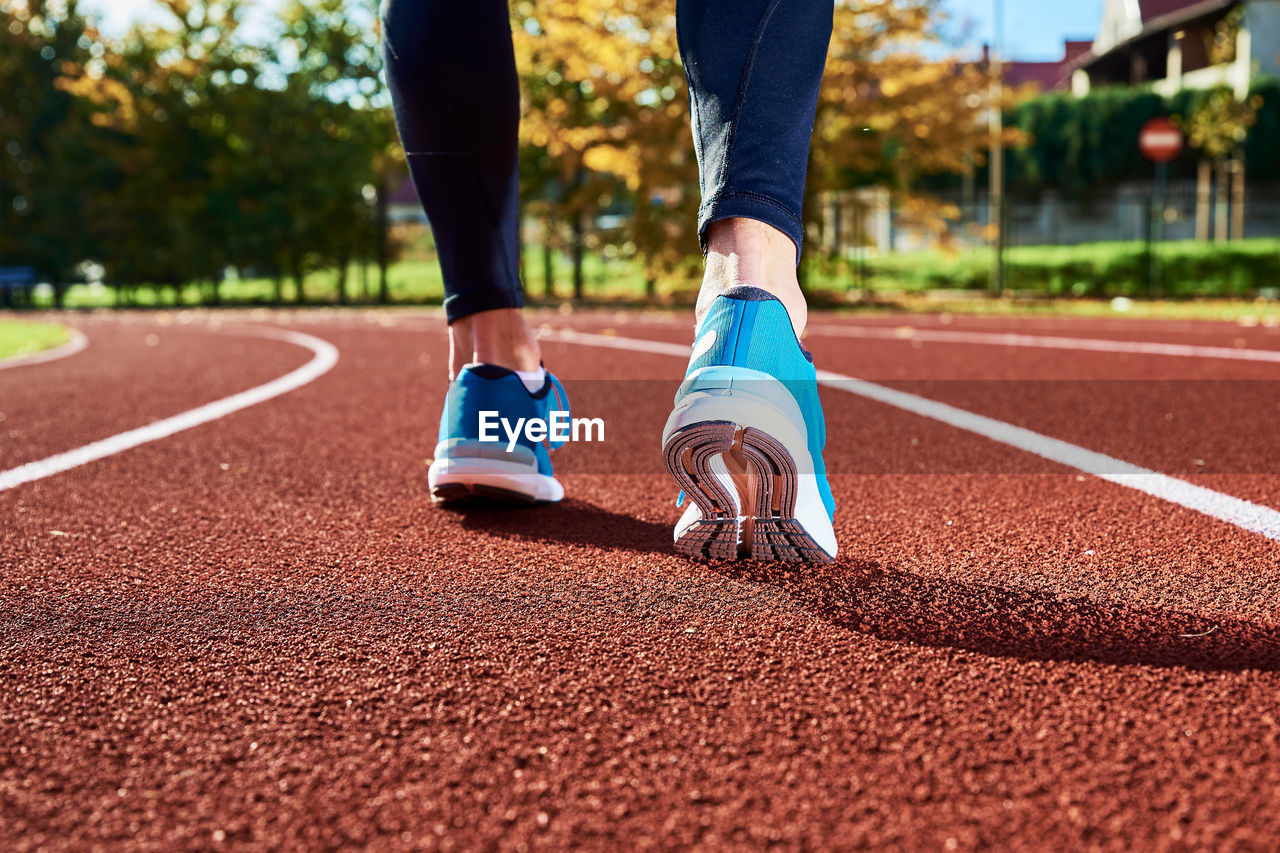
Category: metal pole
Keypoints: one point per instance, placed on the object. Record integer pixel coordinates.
(1237, 196)
(1204, 200)
(997, 148)
(384, 241)
(1221, 224)
(1155, 227)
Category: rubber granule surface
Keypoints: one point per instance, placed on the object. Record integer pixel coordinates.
(261, 634)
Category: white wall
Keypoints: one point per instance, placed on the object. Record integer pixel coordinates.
(1121, 20)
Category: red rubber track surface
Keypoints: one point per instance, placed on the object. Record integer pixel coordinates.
(260, 633)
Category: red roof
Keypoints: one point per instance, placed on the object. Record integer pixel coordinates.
(1152, 9)
(1075, 50)
(1048, 75)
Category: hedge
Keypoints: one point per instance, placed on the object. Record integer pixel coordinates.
(1080, 143)
(1186, 269)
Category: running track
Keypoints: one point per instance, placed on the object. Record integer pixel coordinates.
(258, 632)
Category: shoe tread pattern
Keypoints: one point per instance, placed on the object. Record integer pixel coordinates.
(768, 530)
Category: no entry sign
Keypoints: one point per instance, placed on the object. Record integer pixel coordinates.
(1160, 140)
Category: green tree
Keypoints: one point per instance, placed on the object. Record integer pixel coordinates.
(606, 119)
(340, 148)
(167, 92)
(49, 166)
(228, 153)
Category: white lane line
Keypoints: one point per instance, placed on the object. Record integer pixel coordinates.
(325, 357)
(1001, 339)
(1241, 513)
(569, 336)
(77, 344)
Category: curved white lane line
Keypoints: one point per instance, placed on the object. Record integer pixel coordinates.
(325, 357)
(1241, 513)
(77, 344)
(1002, 339)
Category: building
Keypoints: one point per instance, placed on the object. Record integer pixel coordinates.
(1047, 76)
(1165, 43)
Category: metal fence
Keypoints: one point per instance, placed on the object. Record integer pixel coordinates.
(1131, 211)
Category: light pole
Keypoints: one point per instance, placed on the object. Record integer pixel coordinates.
(997, 146)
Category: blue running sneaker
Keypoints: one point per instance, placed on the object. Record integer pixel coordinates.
(746, 437)
(485, 451)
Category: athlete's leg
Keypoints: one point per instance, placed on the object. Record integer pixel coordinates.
(453, 79)
(746, 436)
(452, 72)
(754, 69)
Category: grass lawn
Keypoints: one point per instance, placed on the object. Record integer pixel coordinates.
(1184, 269)
(1244, 312)
(410, 281)
(22, 338)
(1197, 281)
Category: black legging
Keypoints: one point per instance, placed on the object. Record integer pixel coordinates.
(754, 68)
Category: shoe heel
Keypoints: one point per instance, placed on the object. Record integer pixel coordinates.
(745, 485)
(694, 456)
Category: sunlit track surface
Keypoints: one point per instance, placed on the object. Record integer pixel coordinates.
(259, 632)
(324, 357)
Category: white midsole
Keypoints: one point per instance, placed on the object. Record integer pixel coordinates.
(495, 473)
(781, 420)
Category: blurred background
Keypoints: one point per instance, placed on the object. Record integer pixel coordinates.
(181, 152)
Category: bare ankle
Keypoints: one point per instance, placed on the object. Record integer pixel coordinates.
(503, 338)
(745, 251)
(462, 346)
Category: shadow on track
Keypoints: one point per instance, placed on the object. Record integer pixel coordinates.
(903, 607)
(898, 606)
(571, 522)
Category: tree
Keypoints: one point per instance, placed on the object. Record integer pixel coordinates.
(48, 163)
(226, 153)
(605, 95)
(889, 113)
(170, 95)
(1218, 127)
(332, 58)
(606, 114)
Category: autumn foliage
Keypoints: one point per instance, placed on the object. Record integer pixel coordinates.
(197, 145)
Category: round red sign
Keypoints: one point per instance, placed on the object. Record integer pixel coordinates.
(1160, 140)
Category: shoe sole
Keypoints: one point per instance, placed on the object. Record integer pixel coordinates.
(744, 482)
(490, 481)
(480, 493)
